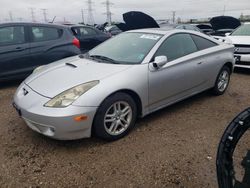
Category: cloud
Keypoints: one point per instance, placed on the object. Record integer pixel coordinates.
(159, 9)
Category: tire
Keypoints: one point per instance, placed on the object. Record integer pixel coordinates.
(222, 81)
(115, 117)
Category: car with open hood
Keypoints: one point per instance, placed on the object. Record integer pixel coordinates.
(223, 24)
(103, 92)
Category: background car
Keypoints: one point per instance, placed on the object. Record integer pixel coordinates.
(112, 30)
(241, 40)
(136, 73)
(89, 37)
(25, 46)
(223, 24)
(205, 28)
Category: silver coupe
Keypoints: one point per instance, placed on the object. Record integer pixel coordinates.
(103, 92)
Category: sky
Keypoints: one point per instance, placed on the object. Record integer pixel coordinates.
(70, 10)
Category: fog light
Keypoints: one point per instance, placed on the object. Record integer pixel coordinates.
(49, 132)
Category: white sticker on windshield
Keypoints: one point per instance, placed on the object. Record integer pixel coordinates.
(150, 36)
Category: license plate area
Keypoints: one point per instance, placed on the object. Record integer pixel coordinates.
(237, 58)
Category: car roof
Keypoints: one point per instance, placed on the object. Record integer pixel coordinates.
(33, 23)
(170, 31)
(161, 31)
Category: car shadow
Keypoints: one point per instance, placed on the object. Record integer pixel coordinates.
(8, 84)
(238, 70)
(173, 108)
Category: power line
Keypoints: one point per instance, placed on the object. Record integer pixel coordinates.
(108, 12)
(173, 14)
(32, 12)
(82, 16)
(11, 17)
(45, 14)
(91, 20)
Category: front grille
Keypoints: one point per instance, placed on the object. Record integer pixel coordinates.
(242, 49)
(242, 45)
(242, 63)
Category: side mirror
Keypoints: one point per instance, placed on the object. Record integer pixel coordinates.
(227, 34)
(160, 61)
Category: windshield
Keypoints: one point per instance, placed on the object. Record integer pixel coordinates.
(242, 31)
(126, 48)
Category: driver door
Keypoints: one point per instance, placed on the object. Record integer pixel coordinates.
(179, 77)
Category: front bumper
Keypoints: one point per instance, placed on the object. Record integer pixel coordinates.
(57, 123)
(242, 60)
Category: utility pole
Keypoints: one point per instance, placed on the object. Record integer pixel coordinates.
(32, 12)
(91, 20)
(224, 10)
(45, 14)
(108, 12)
(82, 16)
(174, 12)
(11, 17)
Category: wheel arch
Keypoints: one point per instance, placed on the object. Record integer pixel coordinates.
(129, 92)
(230, 66)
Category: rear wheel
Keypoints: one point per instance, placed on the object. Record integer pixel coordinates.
(222, 81)
(115, 117)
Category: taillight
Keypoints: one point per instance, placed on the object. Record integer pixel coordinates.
(76, 42)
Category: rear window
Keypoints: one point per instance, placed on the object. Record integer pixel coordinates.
(45, 33)
(203, 43)
(83, 31)
(12, 35)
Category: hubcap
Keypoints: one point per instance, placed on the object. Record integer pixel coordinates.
(223, 81)
(118, 118)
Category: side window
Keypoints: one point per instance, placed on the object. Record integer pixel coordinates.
(180, 27)
(45, 33)
(202, 43)
(177, 46)
(12, 35)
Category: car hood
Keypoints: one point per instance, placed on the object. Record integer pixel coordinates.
(57, 77)
(224, 22)
(137, 20)
(244, 40)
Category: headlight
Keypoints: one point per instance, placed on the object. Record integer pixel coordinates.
(38, 69)
(67, 97)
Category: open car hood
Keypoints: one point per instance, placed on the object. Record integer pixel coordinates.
(224, 22)
(137, 20)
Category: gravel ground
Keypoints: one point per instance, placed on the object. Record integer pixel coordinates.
(174, 147)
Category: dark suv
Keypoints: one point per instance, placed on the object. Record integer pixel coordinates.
(89, 37)
(25, 46)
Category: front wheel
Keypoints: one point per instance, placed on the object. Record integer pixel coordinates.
(222, 81)
(115, 117)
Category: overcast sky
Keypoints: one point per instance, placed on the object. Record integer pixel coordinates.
(159, 9)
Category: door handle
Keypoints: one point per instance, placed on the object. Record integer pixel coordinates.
(19, 48)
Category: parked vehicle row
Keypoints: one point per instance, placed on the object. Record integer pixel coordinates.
(103, 92)
(25, 46)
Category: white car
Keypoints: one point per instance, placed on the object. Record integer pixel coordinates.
(241, 40)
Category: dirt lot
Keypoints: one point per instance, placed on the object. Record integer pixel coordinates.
(175, 147)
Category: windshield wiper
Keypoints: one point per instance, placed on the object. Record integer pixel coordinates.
(104, 58)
